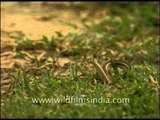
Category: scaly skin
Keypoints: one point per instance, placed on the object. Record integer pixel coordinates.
(104, 70)
(100, 71)
(107, 64)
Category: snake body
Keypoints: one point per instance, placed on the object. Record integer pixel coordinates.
(103, 70)
(100, 71)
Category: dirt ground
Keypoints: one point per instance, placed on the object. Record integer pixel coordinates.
(34, 19)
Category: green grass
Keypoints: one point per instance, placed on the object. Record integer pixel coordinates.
(134, 38)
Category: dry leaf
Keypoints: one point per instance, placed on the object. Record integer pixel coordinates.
(5, 87)
(41, 55)
(152, 80)
(5, 82)
(63, 61)
(8, 53)
(112, 52)
(145, 52)
(28, 55)
(120, 44)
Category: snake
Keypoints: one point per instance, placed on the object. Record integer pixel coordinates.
(103, 70)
